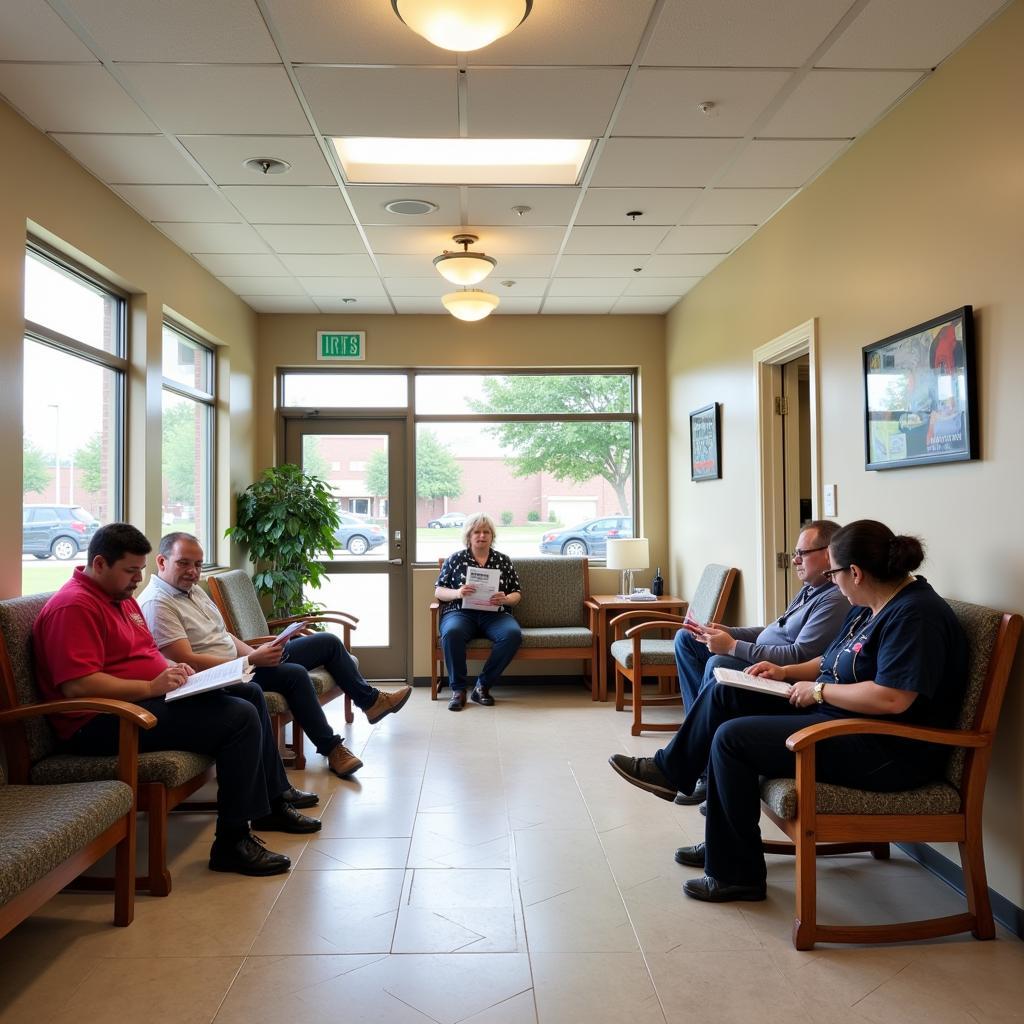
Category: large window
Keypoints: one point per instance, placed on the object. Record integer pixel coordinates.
(187, 449)
(73, 420)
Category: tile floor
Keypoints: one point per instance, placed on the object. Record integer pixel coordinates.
(488, 867)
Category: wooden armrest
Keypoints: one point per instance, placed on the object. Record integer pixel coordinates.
(648, 616)
(327, 615)
(804, 738)
(434, 605)
(132, 713)
(652, 621)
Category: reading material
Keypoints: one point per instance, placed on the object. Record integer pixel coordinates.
(216, 678)
(759, 684)
(486, 582)
(292, 627)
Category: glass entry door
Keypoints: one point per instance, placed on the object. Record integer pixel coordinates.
(363, 461)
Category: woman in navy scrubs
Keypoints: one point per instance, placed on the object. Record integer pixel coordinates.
(900, 654)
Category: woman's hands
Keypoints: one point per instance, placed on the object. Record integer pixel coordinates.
(802, 694)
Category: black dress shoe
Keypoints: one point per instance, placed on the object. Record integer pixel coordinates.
(247, 856)
(299, 797)
(691, 856)
(643, 773)
(458, 700)
(700, 792)
(480, 696)
(284, 818)
(712, 891)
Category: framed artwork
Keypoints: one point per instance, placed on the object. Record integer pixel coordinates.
(920, 395)
(705, 443)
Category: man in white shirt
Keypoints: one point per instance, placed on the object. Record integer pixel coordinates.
(188, 627)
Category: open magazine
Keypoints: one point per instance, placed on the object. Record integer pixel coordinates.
(216, 678)
(759, 684)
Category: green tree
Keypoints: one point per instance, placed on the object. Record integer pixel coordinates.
(35, 474)
(569, 450)
(179, 452)
(377, 473)
(87, 460)
(438, 475)
(313, 461)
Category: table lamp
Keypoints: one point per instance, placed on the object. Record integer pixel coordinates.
(627, 555)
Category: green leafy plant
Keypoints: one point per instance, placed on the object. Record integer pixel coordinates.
(533, 516)
(286, 519)
(506, 518)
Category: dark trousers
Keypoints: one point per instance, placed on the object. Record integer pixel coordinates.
(740, 735)
(291, 679)
(460, 626)
(695, 665)
(232, 726)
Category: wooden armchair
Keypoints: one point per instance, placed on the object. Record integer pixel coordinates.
(824, 819)
(237, 601)
(639, 648)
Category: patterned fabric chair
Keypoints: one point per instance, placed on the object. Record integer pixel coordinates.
(236, 598)
(165, 778)
(824, 819)
(638, 645)
(555, 621)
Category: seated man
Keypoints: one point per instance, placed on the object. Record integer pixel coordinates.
(90, 640)
(808, 626)
(188, 628)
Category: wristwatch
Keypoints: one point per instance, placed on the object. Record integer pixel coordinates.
(819, 692)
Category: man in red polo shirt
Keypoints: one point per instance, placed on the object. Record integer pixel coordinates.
(91, 640)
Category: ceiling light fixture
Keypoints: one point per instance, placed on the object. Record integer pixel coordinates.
(268, 165)
(464, 267)
(470, 304)
(462, 25)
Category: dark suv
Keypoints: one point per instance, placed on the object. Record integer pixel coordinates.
(58, 530)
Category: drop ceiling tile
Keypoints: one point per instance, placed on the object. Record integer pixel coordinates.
(211, 98)
(664, 101)
(340, 287)
(516, 103)
(280, 303)
(241, 265)
(71, 98)
(520, 287)
(738, 33)
(633, 305)
(634, 238)
(287, 204)
(421, 287)
(660, 286)
(186, 30)
(508, 266)
(656, 205)
(706, 238)
(264, 285)
(517, 307)
(494, 240)
(595, 305)
(769, 163)
(662, 162)
(600, 266)
(331, 304)
(329, 266)
(737, 205)
(907, 33)
(210, 238)
(369, 202)
(413, 305)
(587, 286)
(682, 266)
(179, 202)
(312, 238)
(30, 30)
(548, 205)
(130, 159)
(386, 102)
(223, 158)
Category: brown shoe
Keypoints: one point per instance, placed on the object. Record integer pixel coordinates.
(387, 703)
(343, 762)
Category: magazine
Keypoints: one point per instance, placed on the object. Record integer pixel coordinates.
(216, 678)
(745, 681)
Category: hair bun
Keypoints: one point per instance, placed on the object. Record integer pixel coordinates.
(905, 554)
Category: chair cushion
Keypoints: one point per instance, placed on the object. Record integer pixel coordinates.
(566, 636)
(44, 825)
(652, 652)
(554, 589)
(322, 680)
(935, 798)
(171, 767)
(247, 618)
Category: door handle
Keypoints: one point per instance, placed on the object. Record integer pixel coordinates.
(394, 561)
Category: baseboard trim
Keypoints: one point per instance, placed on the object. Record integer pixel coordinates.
(1008, 914)
(567, 680)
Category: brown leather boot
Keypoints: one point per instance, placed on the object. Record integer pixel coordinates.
(343, 762)
(387, 703)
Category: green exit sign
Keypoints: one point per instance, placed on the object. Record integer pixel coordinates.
(340, 345)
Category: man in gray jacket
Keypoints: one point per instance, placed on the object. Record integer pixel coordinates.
(808, 626)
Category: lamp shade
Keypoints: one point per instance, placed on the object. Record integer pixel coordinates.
(464, 267)
(629, 553)
(462, 25)
(470, 304)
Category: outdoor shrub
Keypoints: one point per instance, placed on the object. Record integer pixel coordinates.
(506, 518)
(533, 516)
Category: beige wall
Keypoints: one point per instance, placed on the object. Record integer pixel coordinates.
(43, 189)
(508, 342)
(924, 214)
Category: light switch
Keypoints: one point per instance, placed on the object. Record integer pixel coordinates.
(830, 499)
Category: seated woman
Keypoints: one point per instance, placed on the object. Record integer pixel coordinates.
(900, 653)
(459, 624)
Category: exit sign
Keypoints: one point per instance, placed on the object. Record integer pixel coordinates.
(332, 346)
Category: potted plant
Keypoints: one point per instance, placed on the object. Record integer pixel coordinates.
(286, 519)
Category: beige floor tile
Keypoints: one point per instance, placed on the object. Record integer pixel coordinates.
(346, 854)
(588, 917)
(519, 1009)
(354, 818)
(638, 855)
(457, 841)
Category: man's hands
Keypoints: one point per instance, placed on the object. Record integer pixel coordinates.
(717, 637)
(267, 655)
(170, 679)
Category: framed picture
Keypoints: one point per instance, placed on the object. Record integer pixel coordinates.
(705, 444)
(920, 395)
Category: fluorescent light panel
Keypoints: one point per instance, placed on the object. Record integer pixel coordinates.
(367, 161)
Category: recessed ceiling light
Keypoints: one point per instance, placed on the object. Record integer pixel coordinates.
(268, 165)
(410, 207)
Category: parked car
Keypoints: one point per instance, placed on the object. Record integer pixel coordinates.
(357, 536)
(587, 538)
(448, 519)
(58, 530)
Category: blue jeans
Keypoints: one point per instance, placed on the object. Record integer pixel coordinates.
(459, 626)
(696, 665)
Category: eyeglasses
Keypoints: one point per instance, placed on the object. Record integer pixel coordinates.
(830, 574)
(804, 552)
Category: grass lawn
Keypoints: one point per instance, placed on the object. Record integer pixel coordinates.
(39, 577)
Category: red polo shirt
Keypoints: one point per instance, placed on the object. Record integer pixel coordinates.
(81, 630)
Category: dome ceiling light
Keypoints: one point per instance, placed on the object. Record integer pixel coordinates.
(462, 25)
(464, 267)
(470, 304)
